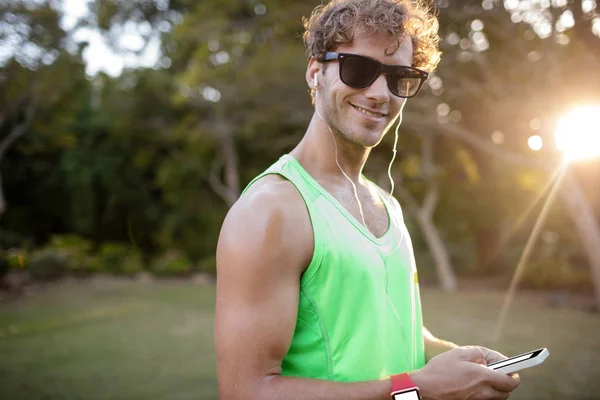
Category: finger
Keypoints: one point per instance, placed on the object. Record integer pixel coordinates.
(515, 377)
(503, 382)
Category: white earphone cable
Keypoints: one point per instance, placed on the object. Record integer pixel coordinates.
(360, 209)
(393, 220)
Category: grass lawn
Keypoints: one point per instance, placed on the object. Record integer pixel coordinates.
(117, 340)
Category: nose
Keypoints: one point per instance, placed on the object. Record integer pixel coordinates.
(379, 91)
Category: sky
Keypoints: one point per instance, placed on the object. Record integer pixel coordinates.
(98, 56)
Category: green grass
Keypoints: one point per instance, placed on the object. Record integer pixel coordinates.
(122, 341)
(132, 341)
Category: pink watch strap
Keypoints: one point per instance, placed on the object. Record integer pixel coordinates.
(402, 382)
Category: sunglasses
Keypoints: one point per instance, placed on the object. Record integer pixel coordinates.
(360, 72)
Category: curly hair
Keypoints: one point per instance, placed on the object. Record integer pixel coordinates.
(336, 23)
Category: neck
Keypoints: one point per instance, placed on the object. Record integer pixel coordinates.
(317, 153)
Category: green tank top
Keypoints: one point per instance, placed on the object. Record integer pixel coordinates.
(359, 310)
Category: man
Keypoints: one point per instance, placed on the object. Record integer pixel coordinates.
(317, 296)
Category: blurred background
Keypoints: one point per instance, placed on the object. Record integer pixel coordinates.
(129, 127)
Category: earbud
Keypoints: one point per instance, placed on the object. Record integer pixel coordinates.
(315, 81)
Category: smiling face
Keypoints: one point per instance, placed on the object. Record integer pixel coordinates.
(361, 116)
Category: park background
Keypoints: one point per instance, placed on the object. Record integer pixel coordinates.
(128, 128)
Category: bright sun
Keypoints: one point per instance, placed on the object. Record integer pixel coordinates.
(578, 133)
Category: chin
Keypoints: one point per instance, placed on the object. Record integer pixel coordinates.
(367, 139)
(362, 134)
(369, 136)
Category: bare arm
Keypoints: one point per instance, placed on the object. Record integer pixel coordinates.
(435, 346)
(265, 244)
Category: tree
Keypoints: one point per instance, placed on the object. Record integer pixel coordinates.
(498, 82)
(35, 74)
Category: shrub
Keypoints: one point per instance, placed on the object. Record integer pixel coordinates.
(118, 258)
(77, 252)
(132, 264)
(172, 263)
(16, 258)
(47, 264)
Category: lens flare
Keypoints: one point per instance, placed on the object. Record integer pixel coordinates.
(578, 133)
(535, 142)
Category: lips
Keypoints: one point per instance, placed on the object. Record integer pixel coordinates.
(369, 112)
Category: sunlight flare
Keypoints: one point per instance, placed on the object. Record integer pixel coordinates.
(535, 142)
(578, 133)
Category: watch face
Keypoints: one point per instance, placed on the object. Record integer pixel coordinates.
(408, 395)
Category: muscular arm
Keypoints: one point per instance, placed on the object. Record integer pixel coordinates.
(265, 244)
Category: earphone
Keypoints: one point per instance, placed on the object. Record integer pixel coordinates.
(315, 80)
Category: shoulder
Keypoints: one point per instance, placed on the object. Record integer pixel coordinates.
(268, 225)
(272, 202)
(270, 187)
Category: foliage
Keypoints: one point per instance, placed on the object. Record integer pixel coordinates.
(75, 250)
(117, 258)
(48, 264)
(114, 172)
(171, 263)
(16, 258)
(74, 255)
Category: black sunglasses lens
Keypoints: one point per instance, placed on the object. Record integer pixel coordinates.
(404, 82)
(357, 71)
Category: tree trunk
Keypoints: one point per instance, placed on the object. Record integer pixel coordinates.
(433, 238)
(5, 144)
(586, 224)
(439, 252)
(424, 214)
(227, 158)
(232, 175)
(435, 243)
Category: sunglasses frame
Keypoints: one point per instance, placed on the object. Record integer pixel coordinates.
(381, 68)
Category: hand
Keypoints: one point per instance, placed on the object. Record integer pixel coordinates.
(460, 374)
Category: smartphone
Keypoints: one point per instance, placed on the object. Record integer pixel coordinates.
(520, 362)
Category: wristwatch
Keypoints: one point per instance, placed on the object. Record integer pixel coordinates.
(403, 388)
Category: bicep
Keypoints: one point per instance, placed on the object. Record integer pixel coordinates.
(254, 321)
(257, 300)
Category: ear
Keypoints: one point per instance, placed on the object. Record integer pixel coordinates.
(312, 70)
